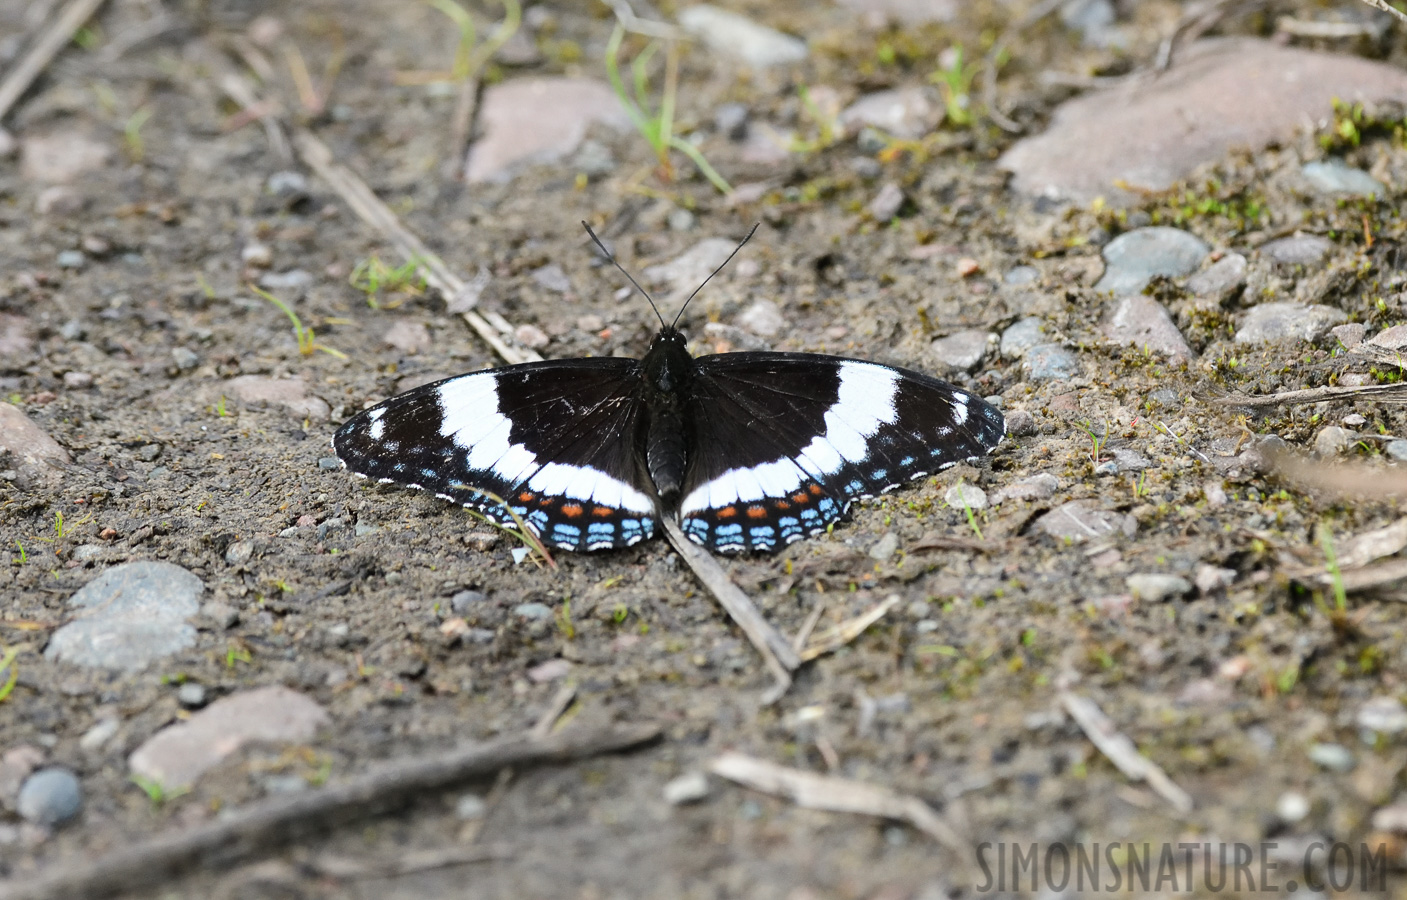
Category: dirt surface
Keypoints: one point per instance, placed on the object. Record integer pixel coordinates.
(1225, 689)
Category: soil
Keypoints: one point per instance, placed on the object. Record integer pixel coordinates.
(1226, 690)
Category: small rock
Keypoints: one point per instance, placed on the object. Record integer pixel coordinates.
(409, 337)
(552, 277)
(1350, 335)
(1334, 176)
(885, 547)
(239, 552)
(1383, 715)
(1106, 468)
(73, 330)
(292, 280)
(128, 617)
(221, 615)
(16, 764)
(730, 120)
(1134, 258)
(878, 14)
(60, 200)
(1211, 578)
(1094, 20)
(290, 393)
(287, 184)
(1333, 440)
(1081, 520)
(906, 112)
(1021, 275)
(179, 754)
(734, 35)
(1394, 338)
(1292, 807)
(1034, 487)
(470, 807)
(552, 670)
(688, 270)
(191, 695)
(1283, 321)
(537, 120)
(1391, 818)
(102, 731)
(185, 358)
(886, 203)
(1156, 587)
(329, 463)
(256, 255)
(1020, 423)
(1396, 449)
(538, 611)
(1298, 250)
(1049, 361)
(71, 259)
(1143, 322)
(149, 452)
(691, 787)
(965, 496)
(965, 350)
(1021, 336)
(78, 380)
(50, 797)
(1130, 460)
(465, 601)
(1334, 757)
(530, 336)
(762, 318)
(680, 219)
(62, 156)
(1221, 279)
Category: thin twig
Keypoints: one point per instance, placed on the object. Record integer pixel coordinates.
(813, 791)
(460, 125)
(560, 701)
(847, 631)
(1382, 392)
(808, 626)
(355, 868)
(269, 822)
(242, 92)
(776, 652)
(1387, 8)
(1120, 750)
(50, 42)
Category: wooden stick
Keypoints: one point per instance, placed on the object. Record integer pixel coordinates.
(269, 822)
(1116, 746)
(1394, 392)
(50, 42)
(1387, 8)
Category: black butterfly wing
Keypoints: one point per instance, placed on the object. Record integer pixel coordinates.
(554, 440)
(781, 443)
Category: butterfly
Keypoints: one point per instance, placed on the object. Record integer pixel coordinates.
(751, 451)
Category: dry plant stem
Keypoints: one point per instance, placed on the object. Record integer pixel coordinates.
(351, 868)
(1314, 395)
(1339, 479)
(242, 92)
(269, 822)
(1365, 578)
(460, 124)
(780, 658)
(560, 701)
(847, 631)
(49, 43)
(1387, 8)
(813, 791)
(1119, 750)
(378, 215)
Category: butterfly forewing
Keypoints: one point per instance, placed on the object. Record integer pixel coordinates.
(781, 443)
(554, 440)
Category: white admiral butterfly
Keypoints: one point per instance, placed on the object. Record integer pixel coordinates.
(752, 451)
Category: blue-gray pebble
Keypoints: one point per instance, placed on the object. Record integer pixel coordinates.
(50, 797)
(1134, 258)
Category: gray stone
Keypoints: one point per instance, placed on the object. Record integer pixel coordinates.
(1156, 587)
(1148, 134)
(1350, 335)
(691, 787)
(191, 695)
(762, 318)
(50, 797)
(885, 547)
(1106, 468)
(25, 446)
(128, 617)
(62, 156)
(1221, 279)
(886, 204)
(1334, 757)
(1298, 250)
(408, 336)
(287, 184)
(741, 38)
(1292, 807)
(1130, 460)
(1383, 715)
(538, 120)
(239, 552)
(256, 255)
(965, 350)
(185, 358)
(906, 112)
(965, 496)
(178, 755)
(593, 159)
(552, 277)
(71, 259)
(680, 219)
(1212, 578)
(329, 463)
(1093, 19)
(470, 807)
(1021, 275)
(1022, 335)
(1135, 257)
(1049, 361)
(538, 611)
(1035, 487)
(101, 732)
(290, 393)
(292, 280)
(1333, 440)
(73, 330)
(60, 200)
(688, 270)
(464, 602)
(1334, 176)
(1020, 423)
(1144, 323)
(1394, 338)
(730, 120)
(1284, 321)
(1081, 520)
(1396, 449)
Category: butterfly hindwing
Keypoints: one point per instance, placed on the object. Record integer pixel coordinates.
(554, 440)
(781, 443)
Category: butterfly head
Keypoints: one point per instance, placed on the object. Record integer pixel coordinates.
(668, 363)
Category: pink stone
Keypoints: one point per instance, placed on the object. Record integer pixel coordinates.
(537, 120)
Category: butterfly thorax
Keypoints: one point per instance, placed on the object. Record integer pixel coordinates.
(668, 370)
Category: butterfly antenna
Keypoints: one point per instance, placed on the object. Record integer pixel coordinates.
(606, 253)
(715, 272)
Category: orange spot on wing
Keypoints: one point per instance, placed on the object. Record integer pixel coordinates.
(800, 497)
(727, 512)
(756, 512)
(572, 510)
(602, 511)
(814, 488)
(782, 504)
(525, 496)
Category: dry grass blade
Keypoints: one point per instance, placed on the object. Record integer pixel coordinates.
(1364, 578)
(1339, 479)
(1120, 750)
(1396, 393)
(353, 868)
(832, 794)
(271, 822)
(45, 48)
(838, 636)
(560, 701)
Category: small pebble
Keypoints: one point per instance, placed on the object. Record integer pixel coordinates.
(538, 611)
(1284, 321)
(1134, 258)
(287, 184)
(130, 615)
(239, 552)
(885, 547)
(965, 496)
(519, 554)
(1396, 449)
(73, 330)
(1156, 587)
(259, 256)
(886, 203)
(1021, 275)
(963, 351)
(680, 219)
(1334, 757)
(691, 787)
(733, 35)
(292, 280)
(191, 695)
(329, 463)
(1298, 250)
(470, 807)
(1292, 807)
(184, 358)
(50, 797)
(1221, 279)
(1049, 361)
(1350, 335)
(1022, 336)
(59, 200)
(531, 336)
(101, 732)
(763, 318)
(552, 277)
(1020, 423)
(465, 601)
(730, 120)
(1144, 323)
(71, 259)
(1106, 468)
(1334, 176)
(1333, 440)
(1034, 487)
(78, 380)
(1210, 578)
(1383, 715)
